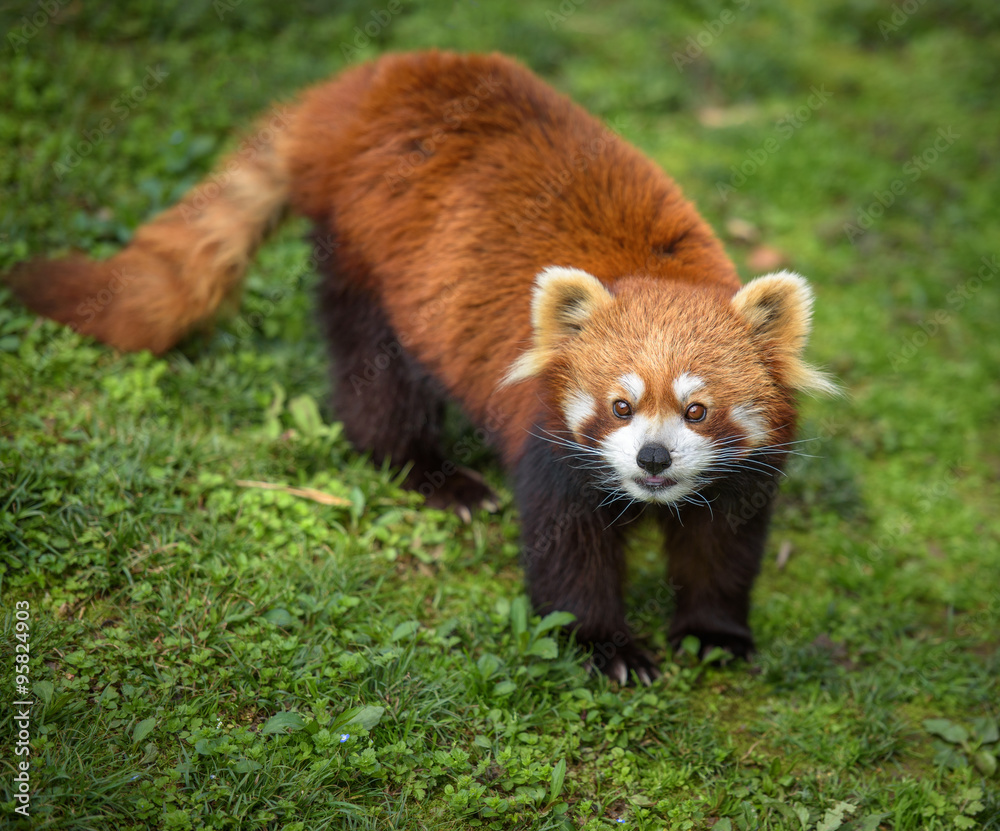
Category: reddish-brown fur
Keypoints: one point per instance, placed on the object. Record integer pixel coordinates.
(457, 233)
(448, 183)
(451, 233)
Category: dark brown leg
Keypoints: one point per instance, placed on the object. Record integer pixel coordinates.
(573, 560)
(714, 556)
(389, 405)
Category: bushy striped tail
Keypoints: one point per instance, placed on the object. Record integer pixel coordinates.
(182, 264)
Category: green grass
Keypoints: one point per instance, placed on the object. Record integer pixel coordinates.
(199, 648)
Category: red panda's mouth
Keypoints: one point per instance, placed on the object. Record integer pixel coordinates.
(657, 482)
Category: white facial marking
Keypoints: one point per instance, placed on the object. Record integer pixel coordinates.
(686, 385)
(633, 385)
(579, 408)
(690, 455)
(751, 421)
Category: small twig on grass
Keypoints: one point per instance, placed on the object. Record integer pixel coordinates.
(306, 493)
(753, 747)
(783, 554)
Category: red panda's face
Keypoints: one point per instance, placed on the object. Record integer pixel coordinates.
(667, 396)
(663, 388)
(659, 433)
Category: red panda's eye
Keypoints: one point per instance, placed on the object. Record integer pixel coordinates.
(622, 409)
(696, 412)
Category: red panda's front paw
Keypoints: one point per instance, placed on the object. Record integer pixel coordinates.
(624, 664)
(734, 646)
(459, 489)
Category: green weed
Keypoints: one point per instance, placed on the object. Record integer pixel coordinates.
(327, 653)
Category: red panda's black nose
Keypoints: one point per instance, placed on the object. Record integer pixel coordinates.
(653, 458)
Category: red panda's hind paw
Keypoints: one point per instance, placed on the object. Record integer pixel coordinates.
(733, 646)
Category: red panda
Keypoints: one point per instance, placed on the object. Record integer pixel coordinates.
(488, 242)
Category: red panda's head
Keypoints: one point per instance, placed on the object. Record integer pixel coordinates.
(663, 387)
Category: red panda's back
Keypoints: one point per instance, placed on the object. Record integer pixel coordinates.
(456, 179)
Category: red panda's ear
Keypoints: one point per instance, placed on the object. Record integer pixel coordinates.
(562, 302)
(778, 309)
